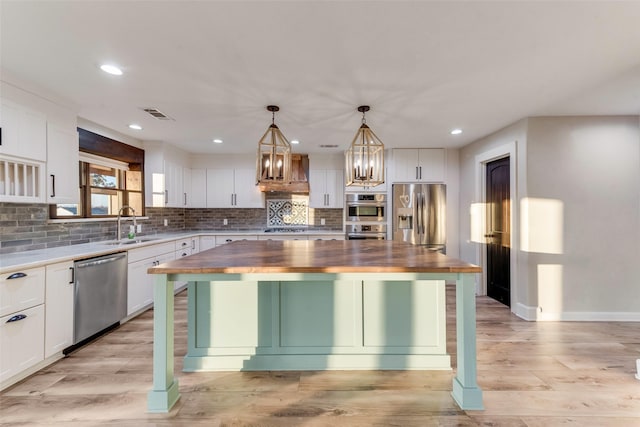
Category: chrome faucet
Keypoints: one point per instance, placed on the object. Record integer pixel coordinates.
(119, 230)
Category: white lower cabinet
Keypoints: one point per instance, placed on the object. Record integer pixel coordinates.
(185, 247)
(221, 240)
(22, 338)
(207, 242)
(271, 236)
(139, 283)
(327, 237)
(21, 321)
(59, 293)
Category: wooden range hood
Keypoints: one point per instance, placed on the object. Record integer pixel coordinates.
(299, 177)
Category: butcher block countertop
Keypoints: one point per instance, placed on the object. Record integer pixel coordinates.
(316, 256)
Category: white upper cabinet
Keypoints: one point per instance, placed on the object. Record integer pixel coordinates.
(24, 131)
(326, 188)
(233, 188)
(62, 164)
(173, 181)
(248, 194)
(38, 149)
(419, 165)
(195, 184)
(220, 188)
(164, 176)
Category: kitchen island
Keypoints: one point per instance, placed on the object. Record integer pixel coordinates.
(310, 305)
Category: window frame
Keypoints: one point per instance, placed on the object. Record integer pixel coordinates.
(102, 151)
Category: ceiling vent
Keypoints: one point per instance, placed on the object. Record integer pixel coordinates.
(157, 114)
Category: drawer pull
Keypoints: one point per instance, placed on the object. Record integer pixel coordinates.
(16, 318)
(17, 276)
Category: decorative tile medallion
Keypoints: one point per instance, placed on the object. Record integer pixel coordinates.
(285, 213)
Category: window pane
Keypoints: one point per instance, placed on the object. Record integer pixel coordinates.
(101, 176)
(135, 201)
(64, 210)
(134, 180)
(105, 202)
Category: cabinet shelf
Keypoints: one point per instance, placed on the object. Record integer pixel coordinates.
(20, 180)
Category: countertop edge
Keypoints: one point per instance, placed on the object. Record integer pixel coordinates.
(42, 257)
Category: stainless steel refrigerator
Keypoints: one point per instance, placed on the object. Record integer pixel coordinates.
(419, 215)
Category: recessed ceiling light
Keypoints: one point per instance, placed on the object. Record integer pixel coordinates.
(135, 126)
(295, 141)
(217, 141)
(111, 69)
(456, 132)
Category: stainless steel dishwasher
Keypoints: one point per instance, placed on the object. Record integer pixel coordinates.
(100, 297)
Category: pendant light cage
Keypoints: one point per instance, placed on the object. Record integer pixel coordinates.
(364, 159)
(273, 162)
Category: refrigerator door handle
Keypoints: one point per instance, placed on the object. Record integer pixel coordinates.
(418, 216)
(422, 214)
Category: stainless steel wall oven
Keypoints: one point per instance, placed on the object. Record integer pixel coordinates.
(367, 207)
(365, 216)
(366, 232)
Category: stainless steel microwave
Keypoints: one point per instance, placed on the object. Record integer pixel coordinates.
(368, 207)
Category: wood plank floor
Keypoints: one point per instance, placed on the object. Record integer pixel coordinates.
(532, 374)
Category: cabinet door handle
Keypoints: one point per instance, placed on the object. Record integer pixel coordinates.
(73, 275)
(193, 245)
(185, 199)
(16, 318)
(17, 276)
(420, 172)
(166, 197)
(53, 185)
(416, 172)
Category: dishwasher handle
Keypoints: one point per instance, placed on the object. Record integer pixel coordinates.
(94, 262)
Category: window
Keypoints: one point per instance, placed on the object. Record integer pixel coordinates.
(111, 176)
(105, 186)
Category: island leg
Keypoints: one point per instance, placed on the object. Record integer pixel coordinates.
(465, 387)
(164, 393)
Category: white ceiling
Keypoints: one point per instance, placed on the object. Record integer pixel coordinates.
(424, 67)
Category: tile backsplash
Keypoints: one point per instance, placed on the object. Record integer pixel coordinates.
(287, 212)
(26, 226)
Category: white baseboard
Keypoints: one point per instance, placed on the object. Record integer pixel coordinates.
(532, 314)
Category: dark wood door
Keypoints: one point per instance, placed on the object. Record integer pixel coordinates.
(498, 235)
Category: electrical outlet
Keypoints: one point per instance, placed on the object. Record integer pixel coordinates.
(139, 228)
(322, 221)
(166, 222)
(225, 222)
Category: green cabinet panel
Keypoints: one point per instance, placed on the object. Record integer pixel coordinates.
(318, 313)
(403, 314)
(233, 314)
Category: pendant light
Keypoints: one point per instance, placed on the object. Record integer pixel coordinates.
(273, 163)
(364, 159)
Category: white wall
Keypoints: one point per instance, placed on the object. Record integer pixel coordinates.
(576, 225)
(590, 168)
